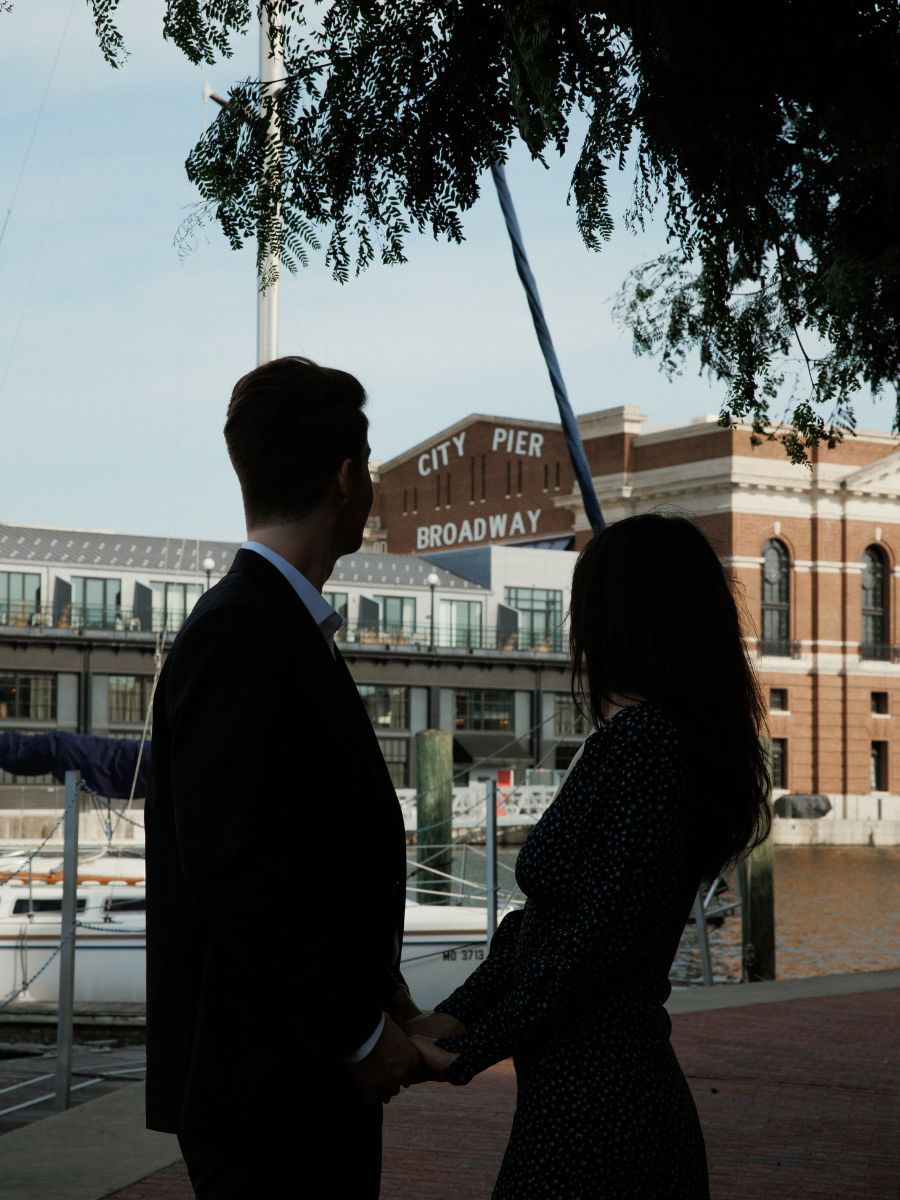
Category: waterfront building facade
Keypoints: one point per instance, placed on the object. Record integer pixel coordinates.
(476, 646)
(469, 633)
(815, 551)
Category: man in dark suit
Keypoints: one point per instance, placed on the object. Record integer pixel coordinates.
(275, 845)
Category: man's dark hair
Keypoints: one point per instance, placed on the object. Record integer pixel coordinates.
(290, 425)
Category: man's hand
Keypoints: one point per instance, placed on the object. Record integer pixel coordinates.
(435, 1059)
(434, 1025)
(393, 1063)
(402, 1007)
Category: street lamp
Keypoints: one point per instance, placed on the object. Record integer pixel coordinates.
(432, 579)
(209, 565)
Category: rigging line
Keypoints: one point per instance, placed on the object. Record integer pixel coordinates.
(566, 415)
(37, 121)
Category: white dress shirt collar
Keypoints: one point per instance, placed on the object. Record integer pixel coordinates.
(328, 620)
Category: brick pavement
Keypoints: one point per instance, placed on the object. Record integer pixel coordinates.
(799, 1100)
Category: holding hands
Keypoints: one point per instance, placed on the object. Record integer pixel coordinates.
(400, 1059)
(423, 1031)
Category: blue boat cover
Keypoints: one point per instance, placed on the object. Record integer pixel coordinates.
(106, 765)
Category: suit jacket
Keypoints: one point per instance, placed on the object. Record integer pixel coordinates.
(275, 859)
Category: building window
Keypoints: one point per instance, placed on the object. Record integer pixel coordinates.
(27, 696)
(405, 498)
(338, 601)
(508, 478)
(778, 700)
(540, 617)
(395, 752)
(557, 477)
(397, 614)
(546, 477)
(483, 477)
(880, 704)
(129, 698)
(459, 624)
(776, 608)
(874, 605)
(96, 602)
(472, 477)
(878, 767)
(483, 709)
(172, 602)
(779, 757)
(519, 476)
(449, 501)
(20, 597)
(567, 720)
(388, 707)
(437, 491)
(415, 499)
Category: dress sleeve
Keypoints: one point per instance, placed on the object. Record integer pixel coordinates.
(489, 982)
(628, 864)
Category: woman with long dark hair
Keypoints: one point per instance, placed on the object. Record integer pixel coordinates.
(669, 788)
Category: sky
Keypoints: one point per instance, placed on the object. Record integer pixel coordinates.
(117, 357)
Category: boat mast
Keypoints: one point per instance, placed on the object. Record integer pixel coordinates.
(271, 74)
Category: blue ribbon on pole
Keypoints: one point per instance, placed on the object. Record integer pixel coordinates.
(566, 416)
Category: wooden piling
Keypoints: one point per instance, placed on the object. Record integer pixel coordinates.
(434, 812)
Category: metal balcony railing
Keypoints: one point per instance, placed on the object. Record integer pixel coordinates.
(446, 637)
(84, 618)
(879, 651)
(779, 647)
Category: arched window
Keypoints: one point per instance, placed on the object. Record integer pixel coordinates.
(874, 604)
(776, 599)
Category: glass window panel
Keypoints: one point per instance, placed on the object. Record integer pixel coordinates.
(387, 706)
(874, 603)
(27, 696)
(487, 709)
(568, 721)
(775, 614)
(338, 601)
(20, 597)
(396, 755)
(397, 613)
(129, 698)
(460, 623)
(540, 616)
(779, 762)
(96, 601)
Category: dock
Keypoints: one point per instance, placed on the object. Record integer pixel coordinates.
(797, 1084)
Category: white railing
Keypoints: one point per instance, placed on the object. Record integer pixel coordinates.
(522, 805)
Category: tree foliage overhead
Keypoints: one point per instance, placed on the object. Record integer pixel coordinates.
(769, 135)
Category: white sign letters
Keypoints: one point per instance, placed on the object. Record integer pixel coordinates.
(497, 525)
(523, 442)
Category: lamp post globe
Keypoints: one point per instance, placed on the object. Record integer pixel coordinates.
(209, 565)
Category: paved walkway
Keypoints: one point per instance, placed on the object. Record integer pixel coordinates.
(798, 1091)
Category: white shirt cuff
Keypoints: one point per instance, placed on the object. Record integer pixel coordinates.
(368, 1045)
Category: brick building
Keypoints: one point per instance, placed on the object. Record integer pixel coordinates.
(815, 551)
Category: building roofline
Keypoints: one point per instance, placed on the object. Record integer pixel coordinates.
(463, 423)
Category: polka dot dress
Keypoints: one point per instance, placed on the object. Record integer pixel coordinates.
(574, 985)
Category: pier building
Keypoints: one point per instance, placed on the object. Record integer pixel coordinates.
(815, 550)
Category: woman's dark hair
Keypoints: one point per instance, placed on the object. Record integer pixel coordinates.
(653, 617)
(290, 425)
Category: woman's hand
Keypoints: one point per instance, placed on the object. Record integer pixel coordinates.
(436, 1060)
(434, 1025)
